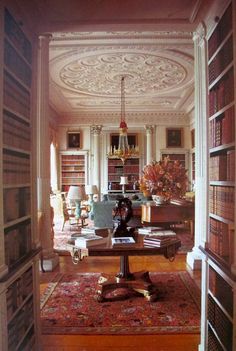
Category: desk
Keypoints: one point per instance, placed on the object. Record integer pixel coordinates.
(140, 281)
(172, 213)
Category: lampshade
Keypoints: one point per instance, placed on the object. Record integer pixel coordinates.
(91, 189)
(123, 180)
(76, 193)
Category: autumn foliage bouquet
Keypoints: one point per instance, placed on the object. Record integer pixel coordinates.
(165, 178)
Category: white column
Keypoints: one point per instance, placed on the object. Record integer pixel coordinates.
(96, 131)
(201, 201)
(149, 132)
(50, 259)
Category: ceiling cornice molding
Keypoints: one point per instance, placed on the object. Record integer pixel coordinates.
(133, 119)
(143, 35)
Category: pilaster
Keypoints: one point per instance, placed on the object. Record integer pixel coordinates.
(50, 259)
(201, 193)
(149, 149)
(96, 132)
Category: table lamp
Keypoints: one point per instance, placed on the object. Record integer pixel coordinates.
(76, 194)
(90, 190)
(123, 182)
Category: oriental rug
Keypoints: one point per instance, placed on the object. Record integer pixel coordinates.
(69, 306)
(61, 237)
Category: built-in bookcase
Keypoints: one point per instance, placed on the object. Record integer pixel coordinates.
(18, 286)
(130, 169)
(73, 169)
(220, 246)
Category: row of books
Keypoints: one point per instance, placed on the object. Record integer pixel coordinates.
(221, 201)
(222, 94)
(223, 28)
(174, 157)
(16, 132)
(221, 60)
(15, 96)
(72, 168)
(221, 290)
(72, 174)
(16, 168)
(221, 239)
(17, 203)
(67, 159)
(19, 325)
(73, 181)
(221, 130)
(18, 291)
(117, 170)
(222, 167)
(118, 162)
(17, 37)
(91, 237)
(221, 325)
(29, 341)
(16, 64)
(17, 242)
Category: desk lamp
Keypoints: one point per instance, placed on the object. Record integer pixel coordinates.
(76, 194)
(123, 182)
(90, 191)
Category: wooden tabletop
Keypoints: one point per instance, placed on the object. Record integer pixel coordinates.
(137, 249)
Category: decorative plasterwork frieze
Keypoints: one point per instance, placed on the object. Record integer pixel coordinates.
(133, 119)
(59, 36)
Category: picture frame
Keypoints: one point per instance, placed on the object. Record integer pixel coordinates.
(132, 140)
(174, 137)
(74, 140)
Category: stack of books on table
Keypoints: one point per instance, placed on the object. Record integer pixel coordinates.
(104, 232)
(88, 240)
(91, 237)
(155, 231)
(159, 239)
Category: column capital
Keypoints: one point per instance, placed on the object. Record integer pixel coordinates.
(149, 128)
(200, 33)
(45, 36)
(96, 129)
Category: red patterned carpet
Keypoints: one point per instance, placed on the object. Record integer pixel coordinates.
(61, 237)
(69, 306)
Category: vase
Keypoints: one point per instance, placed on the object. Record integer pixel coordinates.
(160, 199)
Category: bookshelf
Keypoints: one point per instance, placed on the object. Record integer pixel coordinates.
(19, 285)
(220, 246)
(73, 169)
(116, 169)
(175, 156)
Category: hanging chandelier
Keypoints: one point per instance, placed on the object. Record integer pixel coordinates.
(124, 150)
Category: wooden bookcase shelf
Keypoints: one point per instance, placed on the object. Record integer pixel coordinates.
(18, 289)
(175, 156)
(73, 170)
(130, 169)
(220, 246)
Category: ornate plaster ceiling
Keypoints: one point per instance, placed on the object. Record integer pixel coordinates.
(95, 42)
(86, 70)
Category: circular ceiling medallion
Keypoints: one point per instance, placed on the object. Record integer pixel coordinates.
(145, 74)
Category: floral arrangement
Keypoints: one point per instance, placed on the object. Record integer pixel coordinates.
(165, 178)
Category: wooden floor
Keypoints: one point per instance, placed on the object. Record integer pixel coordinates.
(180, 342)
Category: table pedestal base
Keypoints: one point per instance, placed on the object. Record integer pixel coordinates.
(139, 282)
